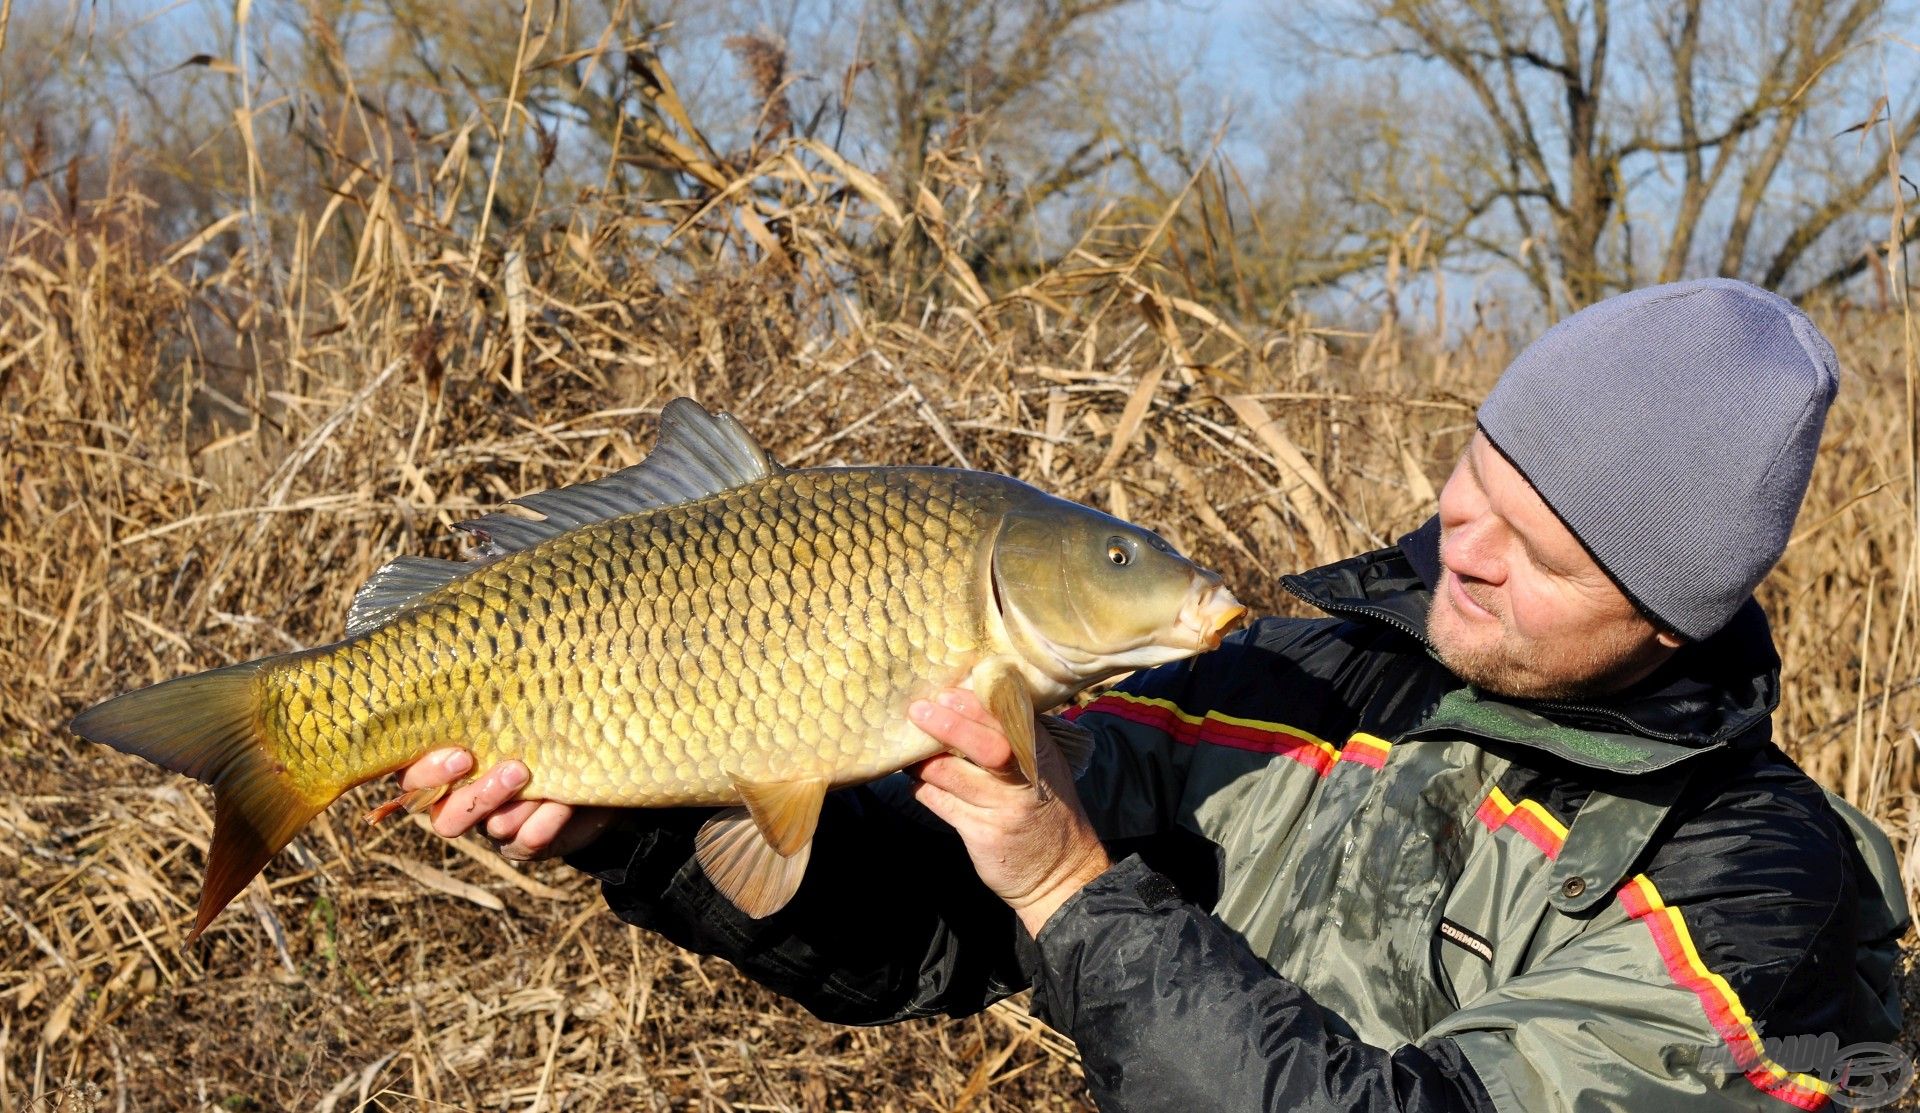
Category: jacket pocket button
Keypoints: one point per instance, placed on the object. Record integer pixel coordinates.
(1573, 887)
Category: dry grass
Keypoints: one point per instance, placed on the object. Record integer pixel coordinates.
(207, 445)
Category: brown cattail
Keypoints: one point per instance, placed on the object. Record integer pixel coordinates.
(765, 59)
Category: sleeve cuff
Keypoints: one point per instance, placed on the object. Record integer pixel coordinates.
(1128, 887)
(1128, 882)
(620, 854)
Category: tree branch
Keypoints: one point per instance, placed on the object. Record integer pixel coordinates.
(1813, 57)
(1839, 275)
(1836, 206)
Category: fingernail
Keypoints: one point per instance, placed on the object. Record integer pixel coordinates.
(457, 762)
(920, 711)
(514, 776)
(949, 699)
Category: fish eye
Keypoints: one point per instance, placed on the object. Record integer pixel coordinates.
(1120, 551)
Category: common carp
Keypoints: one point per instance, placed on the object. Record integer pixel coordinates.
(705, 627)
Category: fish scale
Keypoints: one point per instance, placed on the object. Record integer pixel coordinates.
(649, 660)
(704, 627)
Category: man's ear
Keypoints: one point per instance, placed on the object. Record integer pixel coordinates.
(1668, 638)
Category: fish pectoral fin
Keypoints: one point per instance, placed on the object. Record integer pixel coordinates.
(745, 867)
(1001, 687)
(413, 802)
(1074, 742)
(786, 811)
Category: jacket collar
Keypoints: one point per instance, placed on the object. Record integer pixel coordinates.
(1709, 696)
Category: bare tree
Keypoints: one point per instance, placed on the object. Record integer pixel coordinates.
(1584, 129)
(941, 65)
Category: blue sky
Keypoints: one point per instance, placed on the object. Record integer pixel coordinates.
(1229, 54)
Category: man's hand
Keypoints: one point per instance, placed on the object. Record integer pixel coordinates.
(522, 830)
(1034, 854)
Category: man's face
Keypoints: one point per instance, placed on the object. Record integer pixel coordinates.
(1521, 609)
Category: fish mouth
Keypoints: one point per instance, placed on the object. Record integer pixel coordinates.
(1208, 615)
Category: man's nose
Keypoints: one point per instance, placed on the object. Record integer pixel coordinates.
(1472, 550)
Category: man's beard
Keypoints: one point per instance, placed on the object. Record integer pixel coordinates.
(1503, 668)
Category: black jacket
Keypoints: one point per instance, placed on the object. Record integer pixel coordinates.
(1350, 882)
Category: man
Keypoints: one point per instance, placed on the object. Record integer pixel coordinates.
(1505, 831)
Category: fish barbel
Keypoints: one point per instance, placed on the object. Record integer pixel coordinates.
(706, 627)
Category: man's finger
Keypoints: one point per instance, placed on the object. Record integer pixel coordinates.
(466, 807)
(506, 824)
(950, 809)
(536, 835)
(980, 743)
(967, 705)
(555, 829)
(440, 767)
(967, 782)
(583, 828)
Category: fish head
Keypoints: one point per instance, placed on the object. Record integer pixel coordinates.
(1086, 595)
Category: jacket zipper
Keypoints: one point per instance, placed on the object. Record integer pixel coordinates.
(1405, 627)
(1692, 741)
(1376, 614)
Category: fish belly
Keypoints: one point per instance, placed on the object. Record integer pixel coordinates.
(772, 632)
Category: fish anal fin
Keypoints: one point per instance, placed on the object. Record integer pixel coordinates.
(1004, 691)
(785, 811)
(744, 867)
(413, 802)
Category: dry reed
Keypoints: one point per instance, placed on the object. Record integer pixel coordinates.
(205, 451)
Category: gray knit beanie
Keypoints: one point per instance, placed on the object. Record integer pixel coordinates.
(1673, 430)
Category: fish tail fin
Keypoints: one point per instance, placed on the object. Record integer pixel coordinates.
(209, 727)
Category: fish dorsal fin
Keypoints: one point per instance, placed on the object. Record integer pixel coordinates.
(395, 586)
(699, 454)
